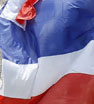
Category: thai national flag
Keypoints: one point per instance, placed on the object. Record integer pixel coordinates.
(48, 52)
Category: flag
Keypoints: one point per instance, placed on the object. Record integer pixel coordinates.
(48, 52)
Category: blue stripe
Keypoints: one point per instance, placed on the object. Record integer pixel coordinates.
(61, 26)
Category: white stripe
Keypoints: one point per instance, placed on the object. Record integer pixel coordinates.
(11, 10)
(33, 80)
(17, 79)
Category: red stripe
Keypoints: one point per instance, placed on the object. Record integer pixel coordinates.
(27, 12)
(71, 89)
(33, 100)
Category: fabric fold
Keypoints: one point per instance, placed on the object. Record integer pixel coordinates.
(27, 12)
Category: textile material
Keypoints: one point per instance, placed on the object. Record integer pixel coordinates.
(27, 11)
(55, 47)
(72, 88)
(55, 67)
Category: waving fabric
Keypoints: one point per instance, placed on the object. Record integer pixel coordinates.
(48, 52)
